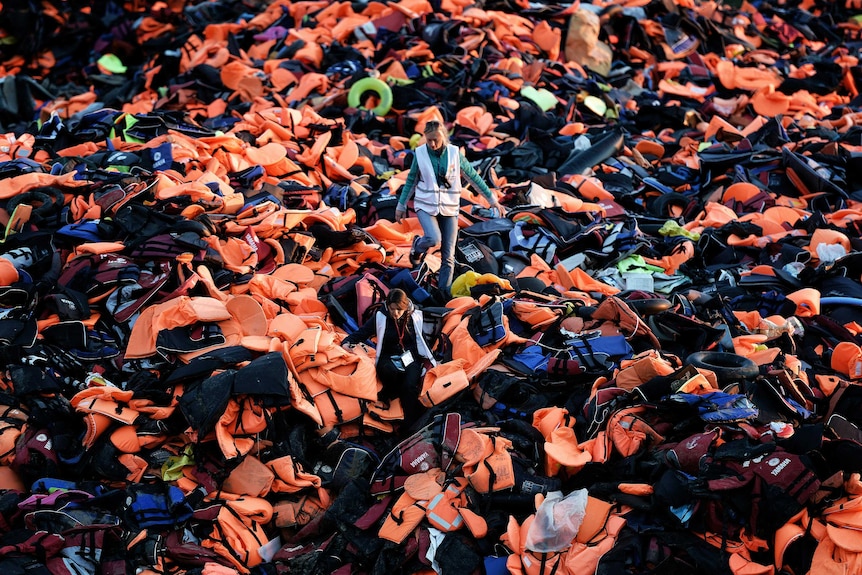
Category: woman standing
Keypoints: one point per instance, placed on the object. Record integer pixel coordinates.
(435, 176)
(401, 350)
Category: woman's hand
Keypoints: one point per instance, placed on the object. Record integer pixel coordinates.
(400, 212)
(495, 204)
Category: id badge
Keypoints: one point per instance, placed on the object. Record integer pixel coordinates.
(407, 358)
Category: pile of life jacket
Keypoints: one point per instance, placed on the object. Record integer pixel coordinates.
(649, 363)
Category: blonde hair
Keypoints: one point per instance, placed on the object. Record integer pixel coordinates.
(432, 126)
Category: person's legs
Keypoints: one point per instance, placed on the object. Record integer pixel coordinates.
(411, 386)
(430, 229)
(391, 378)
(449, 234)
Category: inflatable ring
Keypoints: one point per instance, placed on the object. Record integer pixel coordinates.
(46, 201)
(726, 366)
(379, 87)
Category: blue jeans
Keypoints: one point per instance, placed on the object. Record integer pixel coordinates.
(442, 230)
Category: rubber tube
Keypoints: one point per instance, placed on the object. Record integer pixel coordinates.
(580, 161)
(726, 366)
(375, 85)
(50, 201)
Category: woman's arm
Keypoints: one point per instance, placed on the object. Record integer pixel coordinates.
(363, 334)
(406, 190)
(480, 184)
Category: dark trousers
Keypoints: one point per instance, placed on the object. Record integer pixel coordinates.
(404, 384)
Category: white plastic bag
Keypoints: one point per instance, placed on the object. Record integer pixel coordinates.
(557, 522)
(828, 253)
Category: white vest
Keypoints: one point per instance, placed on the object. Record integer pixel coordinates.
(418, 320)
(430, 198)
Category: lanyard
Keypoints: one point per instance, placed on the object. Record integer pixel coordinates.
(400, 331)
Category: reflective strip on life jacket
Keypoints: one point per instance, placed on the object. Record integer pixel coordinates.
(443, 514)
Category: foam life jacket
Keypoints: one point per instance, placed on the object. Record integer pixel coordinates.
(289, 477)
(237, 430)
(631, 430)
(562, 449)
(403, 518)
(318, 358)
(237, 533)
(535, 314)
(837, 531)
(645, 366)
(443, 381)
(101, 406)
(524, 562)
(334, 408)
(250, 477)
(430, 197)
(487, 461)
(443, 510)
(742, 565)
(616, 312)
(583, 557)
(297, 511)
(300, 398)
(310, 349)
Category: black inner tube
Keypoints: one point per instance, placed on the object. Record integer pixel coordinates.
(47, 201)
(724, 365)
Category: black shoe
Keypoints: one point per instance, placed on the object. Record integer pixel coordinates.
(416, 256)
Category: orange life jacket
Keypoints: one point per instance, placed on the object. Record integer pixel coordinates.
(297, 511)
(443, 511)
(584, 554)
(443, 381)
(562, 449)
(630, 430)
(487, 461)
(643, 367)
(403, 518)
(317, 358)
(237, 533)
(240, 424)
(289, 477)
(250, 477)
(525, 562)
